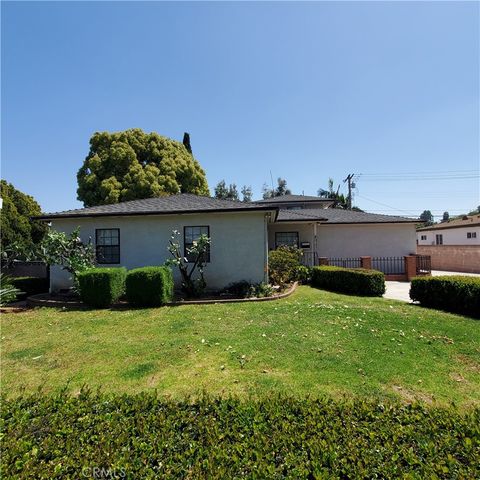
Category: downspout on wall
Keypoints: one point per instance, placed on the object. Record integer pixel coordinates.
(265, 242)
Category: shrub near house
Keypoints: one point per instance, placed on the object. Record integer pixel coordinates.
(283, 265)
(149, 286)
(100, 287)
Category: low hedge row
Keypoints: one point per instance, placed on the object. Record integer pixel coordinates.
(144, 287)
(453, 293)
(100, 287)
(355, 281)
(149, 286)
(30, 285)
(142, 436)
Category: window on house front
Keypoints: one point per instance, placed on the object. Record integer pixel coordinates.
(289, 239)
(471, 234)
(192, 234)
(439, 239)
(424, 237)
(107, 245)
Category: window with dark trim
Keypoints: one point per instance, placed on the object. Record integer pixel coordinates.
(192, 234)
(288, 239)
(424, 237)
(107, 242)
(439, 239)
(471, 234)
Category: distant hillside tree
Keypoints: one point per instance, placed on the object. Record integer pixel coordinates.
(16, 226)
(226, 193)
(474, 212)
(133, 164)
(280, 190)
(247, 194)
(427, 217)
(446, 217)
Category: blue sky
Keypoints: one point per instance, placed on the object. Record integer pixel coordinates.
(307, 91)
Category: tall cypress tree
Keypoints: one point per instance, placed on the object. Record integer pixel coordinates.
(186, 142)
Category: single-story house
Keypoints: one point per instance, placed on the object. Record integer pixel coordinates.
(464, 230)
(136, 233)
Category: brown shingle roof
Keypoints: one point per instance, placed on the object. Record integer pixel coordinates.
(336, 215)
(466, 221)
(181, 203)
(294, 198)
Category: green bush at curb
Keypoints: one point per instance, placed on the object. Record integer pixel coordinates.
(149, 286)
(143, 436)
(355, 281)
(453, 293)
(100, 287)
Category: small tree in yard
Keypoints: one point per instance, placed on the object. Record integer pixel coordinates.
(58, 248)
(192, 287)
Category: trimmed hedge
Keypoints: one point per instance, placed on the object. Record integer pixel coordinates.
(149, 286)
(355, 281)
(100, 287)
(452, 293)
(30, 285)
(143, 436)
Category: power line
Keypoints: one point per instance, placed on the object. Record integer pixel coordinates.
(436, 172)
(419, 179)
(446, 175)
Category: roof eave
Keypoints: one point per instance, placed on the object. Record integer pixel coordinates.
(169, 212)
(327, 222)
(446, 227)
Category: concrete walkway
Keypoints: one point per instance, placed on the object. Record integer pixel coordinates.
(439, 273)
(400, 290)
(397, 291)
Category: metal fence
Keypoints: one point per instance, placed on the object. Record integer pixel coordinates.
(345, 262)
(309, 259)
(389, 265)
(423, 264)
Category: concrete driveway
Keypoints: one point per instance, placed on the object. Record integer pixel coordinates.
(400, 290)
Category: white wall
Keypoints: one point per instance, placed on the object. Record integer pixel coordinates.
(237, 252)
(375, 240)
(451, 236)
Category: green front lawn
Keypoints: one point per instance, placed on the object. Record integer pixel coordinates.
(313, 342)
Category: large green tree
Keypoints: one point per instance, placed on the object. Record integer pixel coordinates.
(16, 224)
(133, 164)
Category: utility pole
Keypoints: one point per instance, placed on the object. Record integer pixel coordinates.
(349, 198)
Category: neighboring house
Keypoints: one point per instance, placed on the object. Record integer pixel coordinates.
(453, 245)
(459, 231)
(136, 233)
(329, 232)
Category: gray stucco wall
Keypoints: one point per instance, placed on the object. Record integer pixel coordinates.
(376, 240)
(238, 243)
